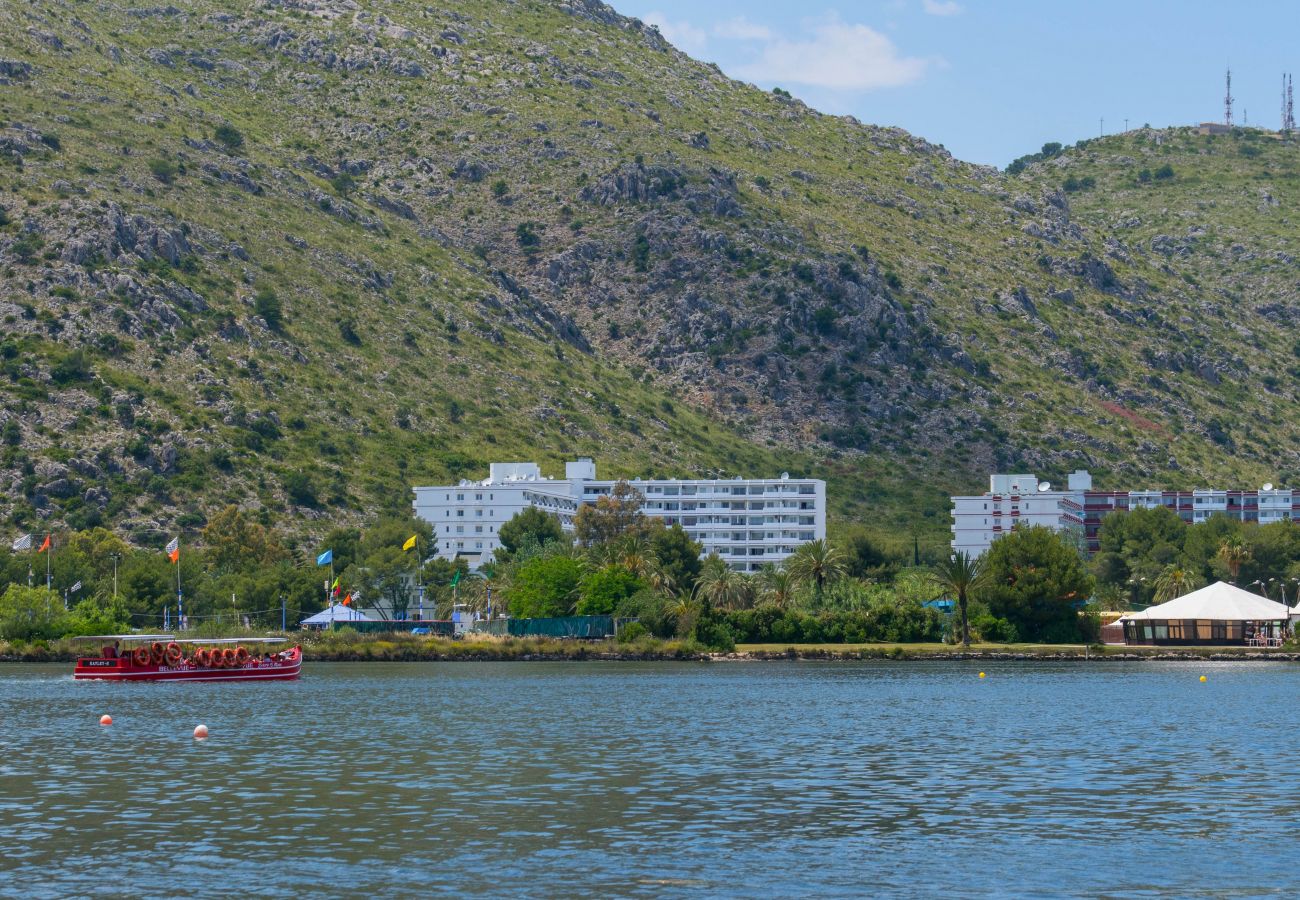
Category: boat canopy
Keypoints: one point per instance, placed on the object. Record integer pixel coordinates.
(179, 639)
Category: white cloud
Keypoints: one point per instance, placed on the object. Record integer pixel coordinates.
(681, 34)
(835, 55)
(941, 7)
(741, 29)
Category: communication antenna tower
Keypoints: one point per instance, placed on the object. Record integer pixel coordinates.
(1284, 121)
(1227, 101)
(1288, 105)
(1291, 107)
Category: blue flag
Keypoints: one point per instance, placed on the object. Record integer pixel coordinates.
(325, 558)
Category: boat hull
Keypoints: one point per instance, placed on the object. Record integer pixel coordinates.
(123, 669)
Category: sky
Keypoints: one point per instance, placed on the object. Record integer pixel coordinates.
(992, 81)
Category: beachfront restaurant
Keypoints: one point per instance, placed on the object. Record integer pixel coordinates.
(1218, 615)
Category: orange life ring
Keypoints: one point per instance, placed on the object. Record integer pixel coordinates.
(156, 652)
(173, 653)
(241, 656)
(141, 656)
(201, 657)
(228, 657)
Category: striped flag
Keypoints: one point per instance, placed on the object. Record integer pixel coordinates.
(76, 587)
(174, 550)
(23, 543)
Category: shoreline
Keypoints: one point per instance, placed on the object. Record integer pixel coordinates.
(397, 648)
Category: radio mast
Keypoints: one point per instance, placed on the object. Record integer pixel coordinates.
(1227, 101)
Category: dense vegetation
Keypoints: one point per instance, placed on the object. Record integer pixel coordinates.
(1151, 555)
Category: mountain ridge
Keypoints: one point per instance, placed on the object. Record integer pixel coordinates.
(298, 256)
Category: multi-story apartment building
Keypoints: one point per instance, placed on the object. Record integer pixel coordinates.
(977, 521)
(747, 522)
(1012, 499)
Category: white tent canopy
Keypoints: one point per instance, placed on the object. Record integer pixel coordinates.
(336, 613)
(1220, 602)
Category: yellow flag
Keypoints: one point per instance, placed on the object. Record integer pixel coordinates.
(409, 543)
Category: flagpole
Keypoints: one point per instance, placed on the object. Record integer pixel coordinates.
(180, 608)
(49, 585)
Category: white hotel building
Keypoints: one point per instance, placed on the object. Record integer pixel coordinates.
(748, 522)
(977, 521)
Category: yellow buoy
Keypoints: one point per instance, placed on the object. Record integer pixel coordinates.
(981, 674)
(1202, 678)
(200, 732)
(106, 719)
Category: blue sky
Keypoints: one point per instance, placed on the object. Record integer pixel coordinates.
(994, 80)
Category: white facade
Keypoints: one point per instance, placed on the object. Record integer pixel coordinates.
(977, 521)
(747, 522)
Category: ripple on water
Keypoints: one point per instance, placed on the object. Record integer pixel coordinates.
(596, 779)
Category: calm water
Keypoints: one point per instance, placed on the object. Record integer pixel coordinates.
(775, 779)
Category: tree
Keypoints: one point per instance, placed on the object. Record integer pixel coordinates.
(267, 305)
(603, 590)
(863, 558)
(816, 562)
(1233, 553)
(234, 543)
(27, 613)
(228, 136)
(1174, 582)
(545, 586)
(530, 522)
(1036, 580)
(777, 586)
(611, 516)
(677, 558)
(721, 586)
(961, 576)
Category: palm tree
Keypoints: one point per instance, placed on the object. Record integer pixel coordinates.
(817, 562)
(721, 586)
(1175, 581)
(661, 579)
(1234, 555)
(962, 575)
(777, 586)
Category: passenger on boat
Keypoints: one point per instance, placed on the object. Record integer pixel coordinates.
(110, 651)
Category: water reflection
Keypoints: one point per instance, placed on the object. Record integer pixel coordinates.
(596, 778)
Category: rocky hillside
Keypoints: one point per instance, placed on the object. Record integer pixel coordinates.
(300, 254)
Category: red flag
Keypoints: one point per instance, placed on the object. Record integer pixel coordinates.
(45, 546)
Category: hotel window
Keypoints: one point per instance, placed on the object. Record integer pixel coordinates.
(478, 513)
(478, 496)
(460, 496)
(460, 513)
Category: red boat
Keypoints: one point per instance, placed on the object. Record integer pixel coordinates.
(160, 657)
